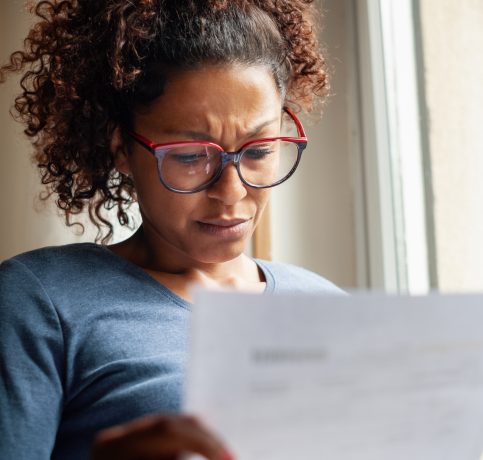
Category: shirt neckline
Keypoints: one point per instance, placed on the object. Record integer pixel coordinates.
(139, 272)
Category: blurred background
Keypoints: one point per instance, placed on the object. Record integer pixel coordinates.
(389, 195)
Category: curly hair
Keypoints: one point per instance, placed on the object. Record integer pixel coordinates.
(89, 63)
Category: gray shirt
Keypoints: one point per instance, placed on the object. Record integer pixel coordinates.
(89, 340)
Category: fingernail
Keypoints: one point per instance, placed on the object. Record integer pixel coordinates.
(228, 456)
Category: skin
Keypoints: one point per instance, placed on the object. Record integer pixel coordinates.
(159, 438)
(180, 241)
(226, 105)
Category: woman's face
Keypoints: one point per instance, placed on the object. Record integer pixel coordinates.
(225, 105)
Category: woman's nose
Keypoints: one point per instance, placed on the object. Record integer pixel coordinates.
(228, 188)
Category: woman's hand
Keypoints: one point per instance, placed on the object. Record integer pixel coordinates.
(158, 437)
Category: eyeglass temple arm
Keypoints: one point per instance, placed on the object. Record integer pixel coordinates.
(141, 140)
(300, 128)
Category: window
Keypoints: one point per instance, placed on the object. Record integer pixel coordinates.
(422, 147)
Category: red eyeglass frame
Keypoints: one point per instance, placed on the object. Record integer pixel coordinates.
(226, 157)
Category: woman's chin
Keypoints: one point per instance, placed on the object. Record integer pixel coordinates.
(222, 253)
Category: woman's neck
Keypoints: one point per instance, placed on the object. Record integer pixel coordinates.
(179, 274)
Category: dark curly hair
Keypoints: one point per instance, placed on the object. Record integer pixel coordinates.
(89, 63)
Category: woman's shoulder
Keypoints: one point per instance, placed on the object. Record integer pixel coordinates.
(58, 265)
(55, 258)
(34, 284)
(55, 251)
(285, 277)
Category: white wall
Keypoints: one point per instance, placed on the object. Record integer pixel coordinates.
(313, 213)
(313, 222)
(25, 222)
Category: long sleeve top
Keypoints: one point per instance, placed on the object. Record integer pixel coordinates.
(89, 340)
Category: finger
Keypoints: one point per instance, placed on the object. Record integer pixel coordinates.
(159, 437)
(187, 434)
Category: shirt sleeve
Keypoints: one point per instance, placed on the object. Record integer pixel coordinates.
(31, 365)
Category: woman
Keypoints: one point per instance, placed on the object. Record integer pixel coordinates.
(178, 106)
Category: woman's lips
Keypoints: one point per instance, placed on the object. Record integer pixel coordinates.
(225, 228)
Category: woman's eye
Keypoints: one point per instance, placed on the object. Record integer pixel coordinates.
(258, 153)
(190, 158)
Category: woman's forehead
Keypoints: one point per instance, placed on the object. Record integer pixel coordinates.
(243, 97)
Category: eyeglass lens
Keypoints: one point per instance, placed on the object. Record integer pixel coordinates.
(192, 166)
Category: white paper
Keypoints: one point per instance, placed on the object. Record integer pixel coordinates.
(339, 378)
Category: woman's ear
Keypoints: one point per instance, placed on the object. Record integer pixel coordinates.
(118, 149)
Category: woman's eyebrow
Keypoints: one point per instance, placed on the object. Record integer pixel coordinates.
(197, 135)
(254, 131)
(203, 136)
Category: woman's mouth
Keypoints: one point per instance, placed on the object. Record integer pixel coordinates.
(225, 228)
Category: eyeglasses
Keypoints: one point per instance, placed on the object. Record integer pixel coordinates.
(193, 166)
